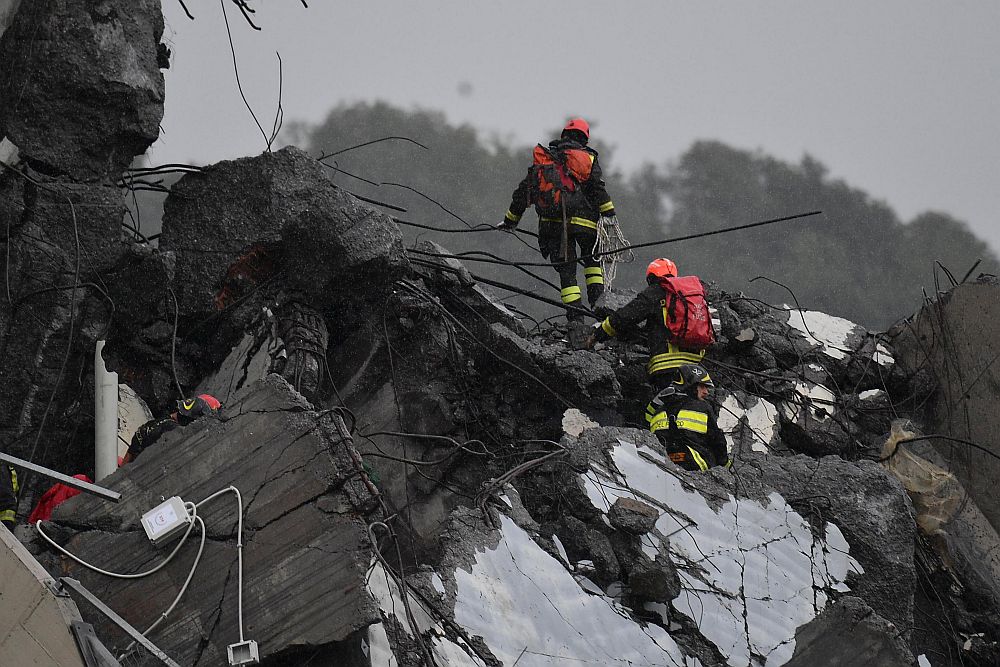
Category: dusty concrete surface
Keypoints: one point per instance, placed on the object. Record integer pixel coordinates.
(849, 633)
(34, 620)
(305, 550)
(954, 343)
(82, 92)
(326, 236)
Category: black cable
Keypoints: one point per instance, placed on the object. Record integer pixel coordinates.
(934, 436)
(369, 143)
(689, 237)
(173, 344)
(236, 69)
(576, 309)
(444, 311)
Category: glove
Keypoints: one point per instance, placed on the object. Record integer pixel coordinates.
(506, 226)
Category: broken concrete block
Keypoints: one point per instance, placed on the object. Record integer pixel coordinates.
(632, 516)
(849, 632)
(875, 511)
(612, 300)
(585, 543)
(335, 249)
(955, 340)
(82, 92)
(654, 581)
(471, 298)
(305, 554)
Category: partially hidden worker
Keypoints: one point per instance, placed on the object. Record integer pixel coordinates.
(686, 423)
(8, 496)
(566, 187)
(187, 411)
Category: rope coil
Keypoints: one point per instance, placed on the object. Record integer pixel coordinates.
(612, 247)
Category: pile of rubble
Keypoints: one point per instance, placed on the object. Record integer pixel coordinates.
(425, 478)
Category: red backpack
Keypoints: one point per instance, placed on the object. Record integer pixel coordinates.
(556, 175)
(685, 312)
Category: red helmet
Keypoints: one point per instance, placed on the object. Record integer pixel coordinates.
(661, 268)
(203, 404)
(580, 125)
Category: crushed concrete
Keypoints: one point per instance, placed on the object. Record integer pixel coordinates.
(82, 92)
(301, 500)
(413, 486)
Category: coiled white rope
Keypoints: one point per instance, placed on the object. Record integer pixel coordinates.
(612, 248)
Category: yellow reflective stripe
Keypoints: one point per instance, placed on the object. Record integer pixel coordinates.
(606, 206)
(697, 459)
(8, 515)
(591, 158)
(593, 271)
(595, 280)
(607, 328)
(690, 420)
(659, 422)
(582, 222)
(511, 216)
(13, 481)
(570, 294)
(669, 360)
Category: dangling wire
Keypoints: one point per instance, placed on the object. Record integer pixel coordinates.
(612, 247)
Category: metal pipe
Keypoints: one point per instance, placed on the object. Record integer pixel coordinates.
(87, 487)
(105, 417)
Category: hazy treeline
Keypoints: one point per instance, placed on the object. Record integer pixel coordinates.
(858, 260)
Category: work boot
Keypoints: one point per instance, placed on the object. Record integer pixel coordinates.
(594, 293)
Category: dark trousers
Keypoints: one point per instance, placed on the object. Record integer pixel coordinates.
(580, 242)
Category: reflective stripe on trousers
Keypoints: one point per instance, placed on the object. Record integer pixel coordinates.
(570, 294)
(575, 220)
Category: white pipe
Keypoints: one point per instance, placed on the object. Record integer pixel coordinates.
(105, 417)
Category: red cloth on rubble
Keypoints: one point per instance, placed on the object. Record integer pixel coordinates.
(55, 496)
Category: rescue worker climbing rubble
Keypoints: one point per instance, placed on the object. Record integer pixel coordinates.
(650, 307)
(565, 186)
(686, 424)
(8, 496)
(188, 410)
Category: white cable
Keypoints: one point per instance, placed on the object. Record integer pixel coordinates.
(118, 575)
(187, 582)
(194, 566)
(193, 513)
(239, 548)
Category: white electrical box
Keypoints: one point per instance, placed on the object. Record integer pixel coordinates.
(244, 653)
(166, 521)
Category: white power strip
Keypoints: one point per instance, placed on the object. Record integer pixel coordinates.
(244, 653)
(166, 521)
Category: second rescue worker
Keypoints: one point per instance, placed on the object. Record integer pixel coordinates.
(651, 308)
(565, 186)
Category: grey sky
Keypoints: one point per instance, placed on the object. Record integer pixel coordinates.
(900, 98)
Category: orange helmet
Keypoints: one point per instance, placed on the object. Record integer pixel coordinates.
(580, 125)
(661, 268)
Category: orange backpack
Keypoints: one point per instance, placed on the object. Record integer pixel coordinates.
(555, 177)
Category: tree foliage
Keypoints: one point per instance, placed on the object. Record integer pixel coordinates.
(857, 260)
